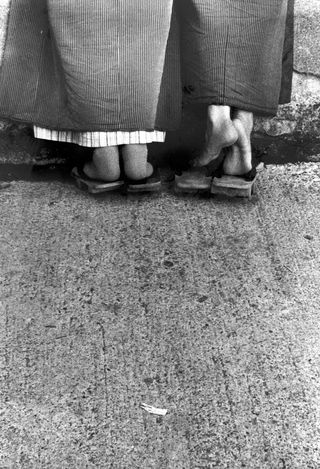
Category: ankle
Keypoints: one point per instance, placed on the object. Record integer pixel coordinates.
(136, 173)
(135, 161)
(109, 175)
(245, 117)
(105, 164)
(219, 113)
(103, 154)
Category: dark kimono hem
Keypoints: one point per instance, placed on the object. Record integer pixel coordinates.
(245, 106)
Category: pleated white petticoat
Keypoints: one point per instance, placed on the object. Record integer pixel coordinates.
(100, 139)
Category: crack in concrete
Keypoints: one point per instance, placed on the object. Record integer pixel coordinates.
(306, 74)
(105, 368)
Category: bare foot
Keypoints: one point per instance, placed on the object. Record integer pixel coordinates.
(220, 133)
(238, 160)
(136, 166)
(104, 165)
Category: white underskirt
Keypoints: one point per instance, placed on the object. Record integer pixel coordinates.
(100, 139)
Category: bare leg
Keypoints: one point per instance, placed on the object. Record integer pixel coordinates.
(104, 165)
(220, 133)
(136, 166)
(238, 160)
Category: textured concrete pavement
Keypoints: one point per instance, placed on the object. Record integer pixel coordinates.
(208, 308)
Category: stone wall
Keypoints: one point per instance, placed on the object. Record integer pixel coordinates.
(302, 116)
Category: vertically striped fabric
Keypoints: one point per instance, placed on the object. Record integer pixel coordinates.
(232, 52)
(114, 65)
(92, 65)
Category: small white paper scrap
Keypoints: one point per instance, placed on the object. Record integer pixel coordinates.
(153, 410)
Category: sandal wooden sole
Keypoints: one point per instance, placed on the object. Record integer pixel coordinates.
(235, 186)
(94, 186)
